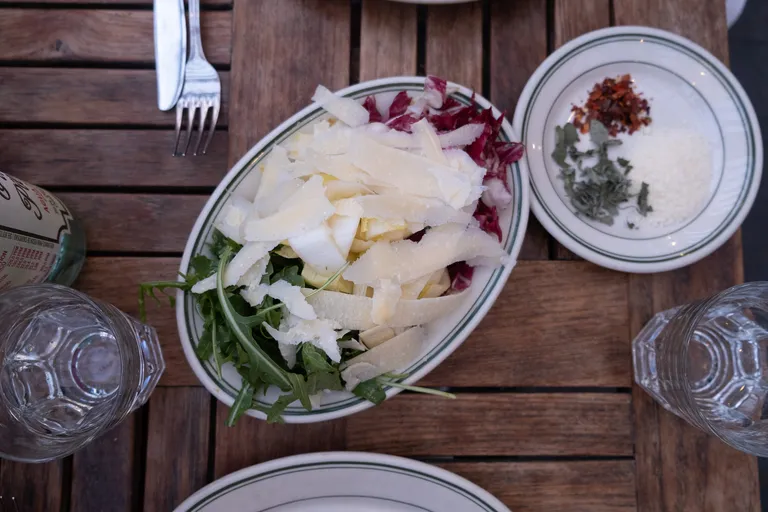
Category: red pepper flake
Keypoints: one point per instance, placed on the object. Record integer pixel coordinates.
(615, 104)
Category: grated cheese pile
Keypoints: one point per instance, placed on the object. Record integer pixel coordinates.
(677, 166)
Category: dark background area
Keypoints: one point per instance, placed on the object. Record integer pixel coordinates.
(748, 40)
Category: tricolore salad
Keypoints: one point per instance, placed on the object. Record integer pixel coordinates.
(364, 227)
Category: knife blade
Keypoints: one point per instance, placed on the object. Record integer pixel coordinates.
(170, 51)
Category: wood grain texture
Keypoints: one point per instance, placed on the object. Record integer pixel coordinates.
(104, 36)
(252, 441)
(497, 424)
(116, 280)
(584, 486)
(387, 40)
(135, 222)
(518, 44)
(177, 448)
(103, 471)
(33, 487)
(455, 43)
(113, 3)
(707, 475)
(87, 96)
(555, 324)
(98, 158)
(301, 43)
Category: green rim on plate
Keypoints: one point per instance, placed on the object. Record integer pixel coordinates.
(749, 180)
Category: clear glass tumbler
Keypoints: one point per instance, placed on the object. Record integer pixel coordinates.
(707, 362)
(72, 368)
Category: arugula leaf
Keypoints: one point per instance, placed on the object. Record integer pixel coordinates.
(158, 286)
(300, 389)
(242, 403)
(314, 360)
(220, 243)
(371, 390)
(241, 327)
(290, 274)
(200, 267)
(321, 381)
(275, 412)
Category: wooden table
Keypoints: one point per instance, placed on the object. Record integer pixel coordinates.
(547, 417)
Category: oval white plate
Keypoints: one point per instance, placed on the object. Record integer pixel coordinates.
(342, 482)
(445, 335)
(687, 87)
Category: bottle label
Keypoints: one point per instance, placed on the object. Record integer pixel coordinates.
(31, 223)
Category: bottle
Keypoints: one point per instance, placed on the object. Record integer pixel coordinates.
(71, 368)
(40, 240)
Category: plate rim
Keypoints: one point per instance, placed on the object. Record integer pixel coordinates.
(752, 124)
(476, 311)
(318, 459)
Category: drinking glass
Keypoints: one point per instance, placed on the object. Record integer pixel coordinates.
(707, 362)
(72, 367)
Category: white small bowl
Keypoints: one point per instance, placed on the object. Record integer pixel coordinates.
(445, 334)
(688, 88)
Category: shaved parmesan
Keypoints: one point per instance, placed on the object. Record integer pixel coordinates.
(233, 214)
(319, 250)
(429, 141)
(303, 211)
(405, 260)
(346, 110)
(289, 353)
(204, 285)
(376, 335)
(354, 311)
(254, 294)
(320, 333)
(426, 211)
(340, 189)
(246, 258)
(393, 355)
(352, 345)
(462, 136)
(344, 229)
(385, 298)
(293, 299)
(404, 170)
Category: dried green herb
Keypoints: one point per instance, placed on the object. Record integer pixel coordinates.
(596, 191)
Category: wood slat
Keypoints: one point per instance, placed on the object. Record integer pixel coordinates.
(103, 471)
(708, 475)
(33, 487)
(252, 441)
(388, 36)
(87, 96)
(177, 448)
(518, 44)
(116, 280)
(98, 158)
(555, 324)
(303, 42)
(104, 36)
(547, 318)
(455, 43)
(495, 424)
(584, 486)
(135, 222)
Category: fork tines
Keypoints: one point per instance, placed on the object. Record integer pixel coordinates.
(193, 105)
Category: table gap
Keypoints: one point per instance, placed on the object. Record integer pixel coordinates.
(356, 21)
(82, 64)
(486, 42)
(529, 390)
(140, 442)
(106, 6)
(439, 459)
(66, 484)
(421, 40)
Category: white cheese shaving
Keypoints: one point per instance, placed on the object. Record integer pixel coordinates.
(302, 212)
(395, 354)
(496, 194)
(385, 298)
(204, 285)
(426, 211)
(292, 298)
(233, 214)
(354, 311)
(462, 136)
(404, 261)
(319, 250)
(346, 110)
(320, 333)
(247, 257)
(429, 141)
(352, 344)
(376, 335)
(254, 294)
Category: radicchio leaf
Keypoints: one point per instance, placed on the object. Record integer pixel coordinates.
(461, 275)
(403, 123)
(435, 91)
(399, 105)
(370, 105)
(488, 218)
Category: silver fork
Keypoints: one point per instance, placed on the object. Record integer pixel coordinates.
(202, 88)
